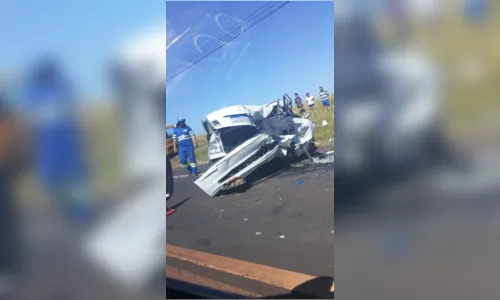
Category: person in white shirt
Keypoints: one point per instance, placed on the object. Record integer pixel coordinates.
(310, 102)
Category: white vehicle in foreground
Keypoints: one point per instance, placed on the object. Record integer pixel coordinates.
(242, 138)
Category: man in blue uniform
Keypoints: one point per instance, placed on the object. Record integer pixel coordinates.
(58, 140)
(187, 143)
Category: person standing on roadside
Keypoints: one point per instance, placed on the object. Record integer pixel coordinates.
(325, 98)
(299, 104)
(187, 143)
(310, 102)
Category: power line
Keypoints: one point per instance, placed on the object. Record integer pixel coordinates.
(217, 41)
(197, 57)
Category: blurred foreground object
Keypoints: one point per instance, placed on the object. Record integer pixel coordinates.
(138, 77)
(58, 140)
(126, 245)
(399, 12)
(430, 230)
(476, 10)
(12, 160)
(388, 105)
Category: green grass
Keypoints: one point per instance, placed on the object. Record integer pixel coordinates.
(322, 134)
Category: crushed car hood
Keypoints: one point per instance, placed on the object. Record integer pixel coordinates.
(231, 171)
(223, 118)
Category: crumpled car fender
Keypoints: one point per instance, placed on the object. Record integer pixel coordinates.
(231, 170)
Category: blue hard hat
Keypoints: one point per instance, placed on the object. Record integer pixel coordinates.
(181, 119)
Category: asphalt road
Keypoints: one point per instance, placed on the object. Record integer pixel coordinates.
(285, 222)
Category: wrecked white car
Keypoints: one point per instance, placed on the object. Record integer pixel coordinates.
(243, 138)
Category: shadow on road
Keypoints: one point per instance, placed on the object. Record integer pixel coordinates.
(317, 288)
(180, 203)
(176, 289)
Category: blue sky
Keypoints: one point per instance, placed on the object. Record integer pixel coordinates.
(291, 51)
(84, 33)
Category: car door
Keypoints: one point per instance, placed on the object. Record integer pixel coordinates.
(215, 146)
(207, 128)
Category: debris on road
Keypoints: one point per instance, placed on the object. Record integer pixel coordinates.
(282, 236)
(258, 233)
(325, 160)
(299, 182)
(297, 165)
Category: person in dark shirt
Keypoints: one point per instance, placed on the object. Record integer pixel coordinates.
(299, 104)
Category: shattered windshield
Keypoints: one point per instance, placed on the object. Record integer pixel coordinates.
(232, 137)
